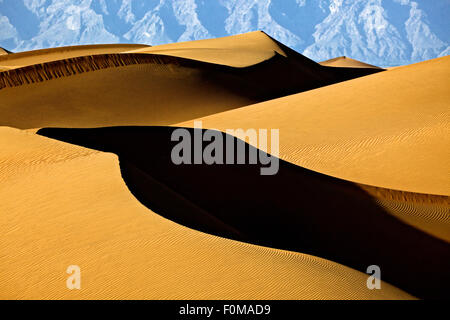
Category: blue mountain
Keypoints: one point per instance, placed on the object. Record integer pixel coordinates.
(382, 32)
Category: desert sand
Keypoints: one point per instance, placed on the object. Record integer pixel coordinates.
(391, 139)
(236, 51)
(28, 58)
(347, 62)
(363, 175)
(285, 211)
(388, 130)
(155, 89)
(3, 51)
(66, 205)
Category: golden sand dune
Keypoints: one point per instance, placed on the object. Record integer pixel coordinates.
(389, 130)
(429, 213)
(363, 177)
(347, 62)
(296, 209)
(3, 51)
(64, 205)
(236, 51)
(28, 58)
(107, 90)
(153, 89)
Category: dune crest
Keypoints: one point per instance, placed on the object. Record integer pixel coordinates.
(73, 66)
(389, 130)
(239, 51)
(286, 210)
(87, 217)
(3, 51)
(346, 62)
(28, 58)
(156, 89)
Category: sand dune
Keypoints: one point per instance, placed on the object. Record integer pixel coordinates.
(155, 92)
(347, 62)
(390, 139)
(363, 174)
(3, 51)
(235, 51)
(28, 58)
(87, 217)
(154, 89)
(389, 130)
(286, 210)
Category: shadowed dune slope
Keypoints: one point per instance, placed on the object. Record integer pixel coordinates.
(390, 130)
(87, 217)
(153, 89)
(296, 209)
(346, 62)
(28, 58)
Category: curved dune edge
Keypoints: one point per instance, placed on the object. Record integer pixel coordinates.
(87, 217)
(3, 51)
(235, 51)
(28, 58)
(296, 209)
(238, 51)
(78, 65)
(388, 130)
(346, 62)
(147, 89)
(149, 93)
(426, 212)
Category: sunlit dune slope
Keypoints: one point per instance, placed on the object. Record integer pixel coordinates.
(65, 205)
(388, 130)
(128, 90)
(346, 62)
(153, 89)
(27, 58)
(236, 51)
(295, 209)
(3, 51)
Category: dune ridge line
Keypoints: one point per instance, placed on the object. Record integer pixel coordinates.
(31, 53)
(73, 66)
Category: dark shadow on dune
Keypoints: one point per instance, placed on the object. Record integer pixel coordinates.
(269, 79)
(280, 76)
(296, 209)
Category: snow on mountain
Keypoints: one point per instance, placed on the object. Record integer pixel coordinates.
(383, 32)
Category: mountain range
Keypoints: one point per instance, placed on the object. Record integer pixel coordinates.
(381, 32)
